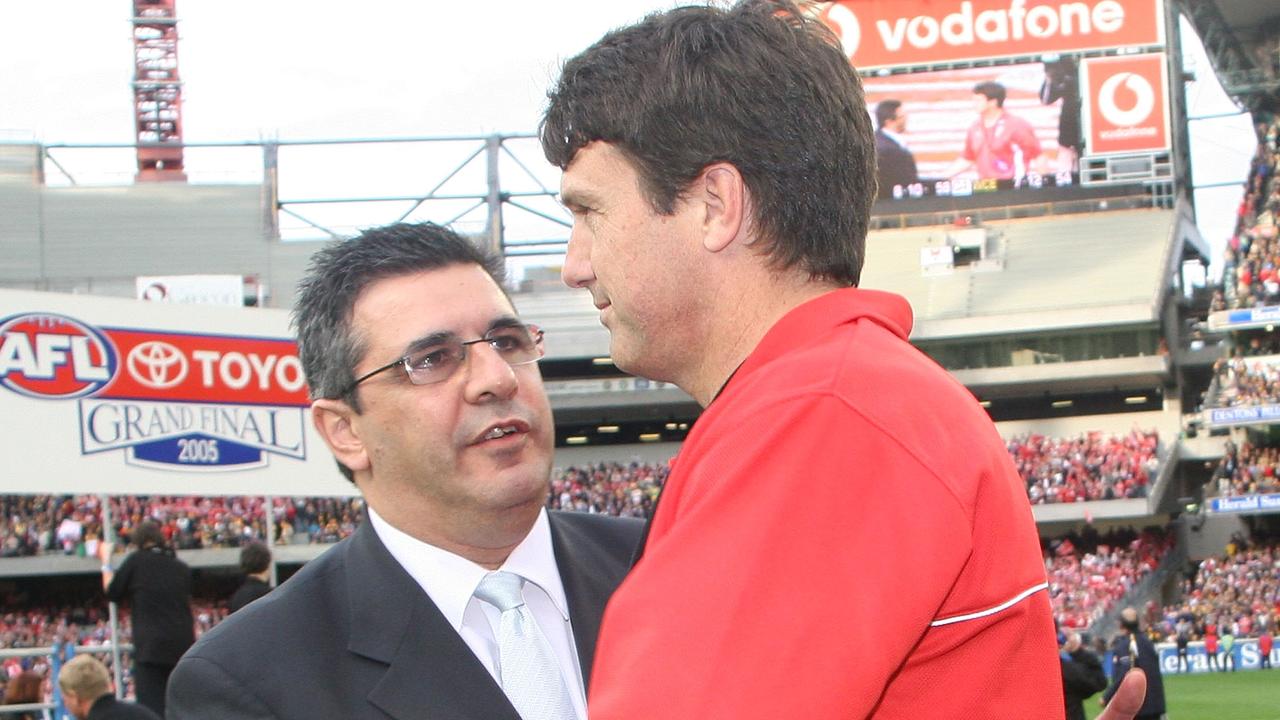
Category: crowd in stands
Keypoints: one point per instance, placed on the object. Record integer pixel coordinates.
(72, 524)
(1246, 470)
(1251, 268)
(609, 488)
(1239, 382)
(1089, 572)
(1090, 466)
(1238, 592)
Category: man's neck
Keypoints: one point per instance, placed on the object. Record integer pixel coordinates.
(989, 117)
(756, 308)
(486, 541)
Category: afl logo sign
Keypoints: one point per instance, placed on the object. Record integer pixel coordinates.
(157, 364)
(52, 356)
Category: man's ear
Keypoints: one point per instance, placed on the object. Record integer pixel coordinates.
(333, 420)
(724, 194)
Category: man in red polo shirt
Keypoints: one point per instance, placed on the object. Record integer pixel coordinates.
(996, 139)
(843, 534)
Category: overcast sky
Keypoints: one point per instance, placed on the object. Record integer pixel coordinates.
(302, 69)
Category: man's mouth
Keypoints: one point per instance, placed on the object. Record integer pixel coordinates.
(497, 432)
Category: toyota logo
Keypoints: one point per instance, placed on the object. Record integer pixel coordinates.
(157, 364)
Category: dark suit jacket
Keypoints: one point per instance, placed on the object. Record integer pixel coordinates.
(1149, 661)
(251, 590)
(108, 708)
(352, 636)
(157, 586)
(895, 165)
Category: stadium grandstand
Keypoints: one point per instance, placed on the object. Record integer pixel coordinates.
(1138, 395)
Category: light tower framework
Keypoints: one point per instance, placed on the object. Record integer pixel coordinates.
(157, 91)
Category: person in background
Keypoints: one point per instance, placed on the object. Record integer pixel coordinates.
(86, 687)
(1082, 675)
(1228, 647)
(895, 164)
(156, 585)
(255, 563)
(997, 139)
(1133, 649)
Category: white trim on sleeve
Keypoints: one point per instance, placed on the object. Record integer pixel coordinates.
(992, 611)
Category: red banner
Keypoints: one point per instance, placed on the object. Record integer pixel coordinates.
(877, 34)
(1126, 104)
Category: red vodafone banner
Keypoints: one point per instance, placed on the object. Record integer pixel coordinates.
(1126, 105)
(878, 34)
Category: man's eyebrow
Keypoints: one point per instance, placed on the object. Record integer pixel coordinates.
(426, 341)
(575, 198)
(444, 336)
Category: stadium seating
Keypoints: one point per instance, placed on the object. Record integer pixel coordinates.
(1091, 466)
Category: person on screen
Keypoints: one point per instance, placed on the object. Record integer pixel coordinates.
(1061, 83)
(996, 138)
(895, 164)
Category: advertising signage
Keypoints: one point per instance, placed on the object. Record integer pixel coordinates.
(133, 397)
(1126, 104)
(1023, 126)
(938, 134)
(911, 33)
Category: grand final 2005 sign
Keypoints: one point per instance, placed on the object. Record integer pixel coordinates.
(165, 400)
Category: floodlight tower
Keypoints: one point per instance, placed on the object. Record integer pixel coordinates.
(157, 91)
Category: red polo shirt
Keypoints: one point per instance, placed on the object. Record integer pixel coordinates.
(842, 536)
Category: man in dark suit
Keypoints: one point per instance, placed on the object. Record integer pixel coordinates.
(426, 389)
(895, 165)
(1133, 649)
(86, 689)
(255, 563)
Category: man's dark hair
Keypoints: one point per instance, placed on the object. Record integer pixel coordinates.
(759, 86)
(992, 91)
(328, 347)
(886, 110)
(148, 535)
(254, 558)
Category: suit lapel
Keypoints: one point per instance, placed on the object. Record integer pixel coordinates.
(589, 574)
(431, 673)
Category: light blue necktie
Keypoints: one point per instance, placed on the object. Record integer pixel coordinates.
(530, 674)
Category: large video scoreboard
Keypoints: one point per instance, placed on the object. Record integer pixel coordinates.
(977, 97)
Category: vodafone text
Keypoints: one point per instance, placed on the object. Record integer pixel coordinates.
(995, 26)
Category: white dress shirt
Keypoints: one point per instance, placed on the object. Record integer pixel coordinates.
(450, 580)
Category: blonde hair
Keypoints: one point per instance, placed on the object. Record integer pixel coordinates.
(86, 677)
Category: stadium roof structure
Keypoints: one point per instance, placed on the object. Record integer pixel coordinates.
(1050, 273)
(1230, 30)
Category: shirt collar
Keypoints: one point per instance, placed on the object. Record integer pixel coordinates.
(900, 139)
(450, 579)
(812, 321)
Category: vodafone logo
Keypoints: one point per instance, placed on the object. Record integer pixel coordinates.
(844, 23)
(904, 33)
(1125, 97)
(1143, 99)
(47, 355)
(157, 364)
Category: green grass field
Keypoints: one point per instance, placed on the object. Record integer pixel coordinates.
(1218, 696)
